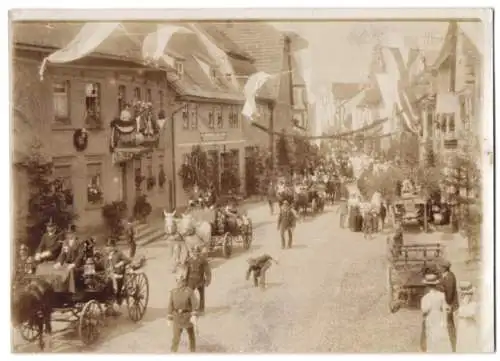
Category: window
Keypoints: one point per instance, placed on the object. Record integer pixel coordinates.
(122, 98)
(63, 182)
(185, 117)
(219, 120)
(93, 104)
(137, 94)
(61, 101)
(234, 117)
(194, 116)
(211, 121)
(179, 67)
(149, 96)
(94, 183)
(161, 96)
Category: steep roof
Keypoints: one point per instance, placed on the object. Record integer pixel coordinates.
(264, 43)
(346, 91)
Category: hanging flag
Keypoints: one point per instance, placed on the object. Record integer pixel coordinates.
(154, 44)
(252, 86)
(399, 77)
(219, 56)
(447, 103)
(91, 35)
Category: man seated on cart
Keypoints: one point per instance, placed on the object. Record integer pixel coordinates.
(50, 245)
(70, 252)
(115, 263)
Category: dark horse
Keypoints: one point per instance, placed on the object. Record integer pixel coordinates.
(32, 302)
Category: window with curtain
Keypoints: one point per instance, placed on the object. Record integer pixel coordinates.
(61, 101)
(63, 182)
(218, 117)
(185, 117)
(122, 97)
(93, 104)
(94, 183)
(194, 116)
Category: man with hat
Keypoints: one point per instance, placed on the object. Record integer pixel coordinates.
(70, 252)
(115, 262)
(434, 337)
(199, 274)
(449, 287)
(50, 246)
(181, 311)
(286, 223)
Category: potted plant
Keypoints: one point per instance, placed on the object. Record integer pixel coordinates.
(142, 208)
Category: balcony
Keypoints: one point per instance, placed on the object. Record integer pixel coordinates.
(136, 132)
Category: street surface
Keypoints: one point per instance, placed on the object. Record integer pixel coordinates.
(328, 294)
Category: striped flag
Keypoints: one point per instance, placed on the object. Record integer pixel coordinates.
(252, 86)
(219, 56)
(398, 73)
(154, 44)
(91, 35)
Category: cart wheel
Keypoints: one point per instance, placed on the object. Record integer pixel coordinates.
(227, 246)
(29, 332)
(91, 319)
(137, 293)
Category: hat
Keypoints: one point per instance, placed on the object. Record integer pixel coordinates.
(466, 287)
(445, 264)
(285, 202)
(430, 279)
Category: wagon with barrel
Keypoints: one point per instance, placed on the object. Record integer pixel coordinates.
(81, 297)
(407, 266)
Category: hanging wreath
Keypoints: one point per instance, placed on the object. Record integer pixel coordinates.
(80, 139)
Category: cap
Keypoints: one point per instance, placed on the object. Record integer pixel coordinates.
(445, 263)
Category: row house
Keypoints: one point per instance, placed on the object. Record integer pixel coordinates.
(74, 113)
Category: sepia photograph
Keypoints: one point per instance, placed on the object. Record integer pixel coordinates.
(226, 182)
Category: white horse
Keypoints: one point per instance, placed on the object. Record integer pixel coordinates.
(195, 233)
(179, 251)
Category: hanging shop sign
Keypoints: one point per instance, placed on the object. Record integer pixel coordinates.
(213, 137)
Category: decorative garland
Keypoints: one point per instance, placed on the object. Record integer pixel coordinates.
(80, 139)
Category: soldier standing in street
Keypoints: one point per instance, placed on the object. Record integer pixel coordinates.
(182, 314)
(199, 275)
(286, 223)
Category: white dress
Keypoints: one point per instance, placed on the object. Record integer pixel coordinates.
(433, 304)
(467, 328)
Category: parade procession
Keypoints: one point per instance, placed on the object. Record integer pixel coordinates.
(247, 183)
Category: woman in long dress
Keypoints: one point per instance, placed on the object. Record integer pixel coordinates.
(433, 306)
(467, 326)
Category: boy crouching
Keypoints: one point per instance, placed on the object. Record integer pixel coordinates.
(259, 267)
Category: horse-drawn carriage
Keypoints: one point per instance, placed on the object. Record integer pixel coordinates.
(410, 209)
(76, 297)
(408, 265)
(228, 227)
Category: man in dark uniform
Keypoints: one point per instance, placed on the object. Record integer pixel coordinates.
(198, 275)
(449, 287)
(182, 314)
(286, 223)
(50, 246)
(259, 267)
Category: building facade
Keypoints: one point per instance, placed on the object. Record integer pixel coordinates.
(82, 99)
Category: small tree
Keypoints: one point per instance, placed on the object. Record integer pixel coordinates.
(283, 152)
(47, 200)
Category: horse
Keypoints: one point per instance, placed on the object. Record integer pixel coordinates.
(32, 305)
(195, 233)
(179, 251)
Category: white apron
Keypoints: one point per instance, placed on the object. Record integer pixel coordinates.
(434, 304)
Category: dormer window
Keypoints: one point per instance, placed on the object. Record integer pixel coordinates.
(179, 67)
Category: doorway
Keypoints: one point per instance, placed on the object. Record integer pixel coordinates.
(123, 183)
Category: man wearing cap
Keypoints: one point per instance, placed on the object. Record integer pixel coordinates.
(181, 312)
(286, 223)
(198, 274)
(449, 287)
(115, 263)
(49, 247)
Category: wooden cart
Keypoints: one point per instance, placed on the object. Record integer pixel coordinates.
(407, 266)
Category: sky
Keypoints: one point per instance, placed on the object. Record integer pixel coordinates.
(341, 51)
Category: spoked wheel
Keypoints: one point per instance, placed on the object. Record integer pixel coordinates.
(29, 331)
(137, 293)
(91, 320)
(227, 246)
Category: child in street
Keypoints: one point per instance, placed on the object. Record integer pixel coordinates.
(259, 267)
